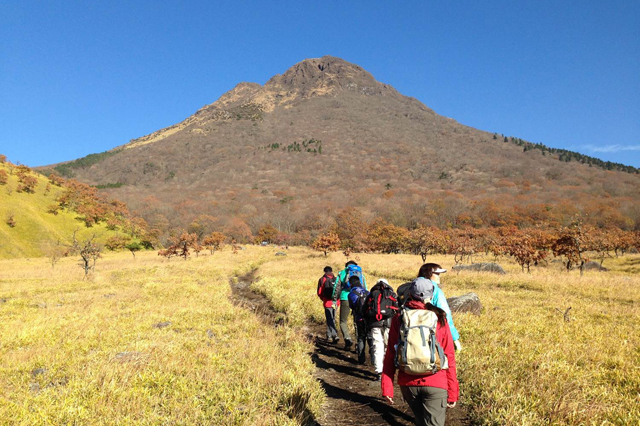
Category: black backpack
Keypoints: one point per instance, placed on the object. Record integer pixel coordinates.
(382, 303)
(328, 285)
(403, 293)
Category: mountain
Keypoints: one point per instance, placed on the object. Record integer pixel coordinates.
(324, 136)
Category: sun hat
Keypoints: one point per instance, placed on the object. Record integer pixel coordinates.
(421, 289)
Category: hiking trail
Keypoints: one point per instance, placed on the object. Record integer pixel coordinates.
(353, 394)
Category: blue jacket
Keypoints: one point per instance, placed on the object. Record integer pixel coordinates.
(440, 301)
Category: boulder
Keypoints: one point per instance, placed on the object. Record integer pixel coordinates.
(480, 267)
(594, 266)
(469, 302)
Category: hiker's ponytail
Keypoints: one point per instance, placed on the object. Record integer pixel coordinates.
(441, 314)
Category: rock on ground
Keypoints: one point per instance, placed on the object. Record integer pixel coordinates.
(480, 267)
(469, 302)
(594, 266)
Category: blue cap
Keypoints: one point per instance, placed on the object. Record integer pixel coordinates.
(421, 289)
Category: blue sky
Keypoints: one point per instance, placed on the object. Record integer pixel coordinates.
(81, 77)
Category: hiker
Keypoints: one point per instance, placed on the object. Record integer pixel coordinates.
(357, 297)
(432, 271)
(326, 293)
(351, 268)
(428, 383)
(380, 307)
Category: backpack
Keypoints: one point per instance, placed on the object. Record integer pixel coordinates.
(418, 351)
(403, 293)
(382, 303)
(352, 271)
(357, 298)
(328, 285)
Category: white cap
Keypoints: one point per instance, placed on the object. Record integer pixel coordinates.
(439, 271)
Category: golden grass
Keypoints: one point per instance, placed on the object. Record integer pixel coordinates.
(522, 363)
(91, 352)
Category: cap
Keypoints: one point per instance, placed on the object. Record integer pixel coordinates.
(421, 289)
(439, 271)
(382, 280)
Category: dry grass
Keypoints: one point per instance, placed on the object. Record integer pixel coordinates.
(523, 363)
(90, 352)
(94, 352)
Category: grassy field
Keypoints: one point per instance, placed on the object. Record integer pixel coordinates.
(145, 342)
(522, 362)
(151, 341)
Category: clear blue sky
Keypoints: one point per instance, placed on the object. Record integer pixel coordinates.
(79, 77)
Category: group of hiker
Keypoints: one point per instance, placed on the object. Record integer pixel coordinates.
(410, 331)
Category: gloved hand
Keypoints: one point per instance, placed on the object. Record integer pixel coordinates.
(457, 345)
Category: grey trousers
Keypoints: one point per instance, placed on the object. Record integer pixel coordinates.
(429, 404)
(330, 316)
(344, 317)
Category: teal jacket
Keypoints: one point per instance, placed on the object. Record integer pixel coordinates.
(342, 276)
(439, 301)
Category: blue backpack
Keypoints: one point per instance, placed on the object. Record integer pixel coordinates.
(357, 299)
(352, 271)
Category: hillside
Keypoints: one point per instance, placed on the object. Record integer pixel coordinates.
(28, 228)
(325, 135)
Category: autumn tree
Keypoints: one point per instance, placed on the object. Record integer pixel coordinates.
(424, 241)
(621, 241)
(54, 251)
(180, 245)
(326, 243)
(133, 247)
(116, 242)
(26, 183)
(350, 229)
(462, 244)
(3, 158)
(214, 242)
(89, 252)
(4, 177)
(529, 246)
(10, 220)
(268, 234)
(56, 180)
(386, 237)
(573, 243)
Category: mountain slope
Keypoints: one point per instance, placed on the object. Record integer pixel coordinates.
(326, 135)
(28, 229)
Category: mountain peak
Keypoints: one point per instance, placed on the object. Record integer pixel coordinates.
(320, 76)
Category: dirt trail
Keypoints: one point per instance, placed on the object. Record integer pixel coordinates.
(353, 394)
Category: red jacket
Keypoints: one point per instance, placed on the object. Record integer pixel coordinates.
(444, 379)
(328, 302)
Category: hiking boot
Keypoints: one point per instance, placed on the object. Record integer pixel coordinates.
(336, 339)
(347, 345)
